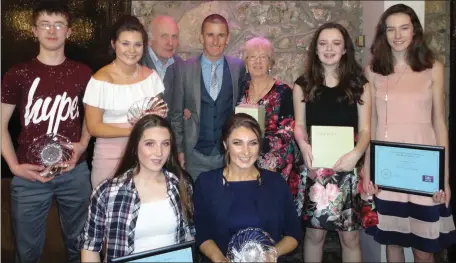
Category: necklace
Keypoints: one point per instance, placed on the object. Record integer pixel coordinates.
(226, 173)
(254, 99)
(386, 99)
(133, 76)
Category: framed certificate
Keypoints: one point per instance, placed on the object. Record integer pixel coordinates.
(407, 168)
(182, 252)
(329, 143)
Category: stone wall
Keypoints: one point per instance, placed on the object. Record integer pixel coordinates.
(437, 33)
(288, 24)
(437, 28)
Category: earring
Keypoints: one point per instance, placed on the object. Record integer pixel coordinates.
(227, 158)
(246, 70)
(270, 71)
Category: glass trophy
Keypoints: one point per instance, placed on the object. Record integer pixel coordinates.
(51, 151)
(251, 245)
(146, 106)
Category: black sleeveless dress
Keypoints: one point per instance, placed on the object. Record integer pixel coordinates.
(332, 200)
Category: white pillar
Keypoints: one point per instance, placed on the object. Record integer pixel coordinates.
(372, 10)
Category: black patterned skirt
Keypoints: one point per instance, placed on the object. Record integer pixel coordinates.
(332, 200)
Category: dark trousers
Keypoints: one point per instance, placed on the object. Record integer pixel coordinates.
(30, 205)
(196, 162)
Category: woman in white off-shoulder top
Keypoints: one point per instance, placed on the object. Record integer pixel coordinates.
(111, 92)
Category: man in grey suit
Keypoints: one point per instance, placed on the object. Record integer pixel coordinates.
(160, 53)
(208, 88)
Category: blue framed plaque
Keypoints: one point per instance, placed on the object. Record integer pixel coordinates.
(182, 253)
(407, 168)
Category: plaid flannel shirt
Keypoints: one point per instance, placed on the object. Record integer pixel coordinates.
(114, 210)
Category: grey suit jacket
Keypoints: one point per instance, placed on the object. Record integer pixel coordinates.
(187, 95)
(170, 76)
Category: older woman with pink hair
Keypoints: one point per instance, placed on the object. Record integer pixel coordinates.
(279, 151)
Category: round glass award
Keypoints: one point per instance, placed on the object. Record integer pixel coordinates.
(146, 106)
(50, 150)
(251, 245)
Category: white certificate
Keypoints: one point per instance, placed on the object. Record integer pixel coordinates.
(329, 143)
(254, 110)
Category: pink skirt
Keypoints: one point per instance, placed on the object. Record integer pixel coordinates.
(106, 156)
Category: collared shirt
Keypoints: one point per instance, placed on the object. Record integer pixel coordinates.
(159, 67)
(206, 69)
(114, 210)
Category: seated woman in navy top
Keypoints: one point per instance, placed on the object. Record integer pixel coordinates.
(240, 195)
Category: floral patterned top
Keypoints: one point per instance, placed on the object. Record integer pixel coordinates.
(280, 152)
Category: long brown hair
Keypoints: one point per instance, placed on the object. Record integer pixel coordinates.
(419, 57)
(350, 73)
(130, 157)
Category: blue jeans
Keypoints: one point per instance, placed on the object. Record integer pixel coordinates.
(30, 205)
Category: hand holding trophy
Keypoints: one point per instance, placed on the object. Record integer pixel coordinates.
(149, 105)
(51, 151)
(251, 245)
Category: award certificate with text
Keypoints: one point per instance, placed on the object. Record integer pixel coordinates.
(407, 168)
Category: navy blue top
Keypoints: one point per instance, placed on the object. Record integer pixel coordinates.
(214, 216)
(244, 210)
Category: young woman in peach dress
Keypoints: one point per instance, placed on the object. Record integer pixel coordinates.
(409, 107)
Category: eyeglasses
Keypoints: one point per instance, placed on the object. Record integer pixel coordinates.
(47, 26)
(254, 58)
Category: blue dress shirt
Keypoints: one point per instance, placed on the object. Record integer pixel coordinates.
(206, 69)
(159, 67)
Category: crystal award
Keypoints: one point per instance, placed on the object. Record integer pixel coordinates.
(146, 106)
(51, 151)
(251, 245)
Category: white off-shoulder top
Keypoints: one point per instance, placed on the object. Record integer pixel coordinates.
(116, 99)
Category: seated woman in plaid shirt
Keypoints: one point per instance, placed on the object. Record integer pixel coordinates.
(147, 204)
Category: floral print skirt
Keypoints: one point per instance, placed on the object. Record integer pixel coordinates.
(332, 200)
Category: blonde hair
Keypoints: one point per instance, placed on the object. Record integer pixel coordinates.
(260, 43)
